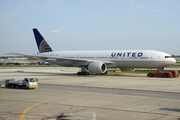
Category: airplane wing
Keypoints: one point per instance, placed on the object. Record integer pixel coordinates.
(73, 60)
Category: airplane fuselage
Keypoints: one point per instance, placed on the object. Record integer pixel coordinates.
(118, 58)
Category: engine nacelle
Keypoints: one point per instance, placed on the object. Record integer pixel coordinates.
(127, 69)
(97, 67)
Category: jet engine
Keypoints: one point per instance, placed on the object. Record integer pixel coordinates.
(97, 67)
(127, 69)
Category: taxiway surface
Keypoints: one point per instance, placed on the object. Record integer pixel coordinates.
(63, 94)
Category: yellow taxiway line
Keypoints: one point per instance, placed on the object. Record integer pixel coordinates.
(24, 112)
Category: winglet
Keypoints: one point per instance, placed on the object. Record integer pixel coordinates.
(42, 45)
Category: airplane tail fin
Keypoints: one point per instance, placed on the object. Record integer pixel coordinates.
(42, 45)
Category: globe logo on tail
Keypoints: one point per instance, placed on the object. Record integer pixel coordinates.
(44, 47)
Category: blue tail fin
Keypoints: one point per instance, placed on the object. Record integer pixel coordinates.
(42, 45)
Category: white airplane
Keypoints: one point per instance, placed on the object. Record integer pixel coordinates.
(97, 61)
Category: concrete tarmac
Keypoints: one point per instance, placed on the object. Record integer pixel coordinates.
(64, 95)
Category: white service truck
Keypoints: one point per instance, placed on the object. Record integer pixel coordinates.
(26, 83)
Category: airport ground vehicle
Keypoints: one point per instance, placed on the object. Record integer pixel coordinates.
(173, 73)
(26, 83)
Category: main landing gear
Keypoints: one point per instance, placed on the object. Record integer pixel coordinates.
(83, 73)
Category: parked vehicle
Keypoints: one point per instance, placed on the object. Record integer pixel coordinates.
(17, 63)
(26, 83)
(173, 73)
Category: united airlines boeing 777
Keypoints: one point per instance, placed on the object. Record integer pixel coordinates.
(99, 60)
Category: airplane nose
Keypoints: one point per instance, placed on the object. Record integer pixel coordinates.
(170, 61)
(174, 60)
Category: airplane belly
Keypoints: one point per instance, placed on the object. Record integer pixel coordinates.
(136, 64)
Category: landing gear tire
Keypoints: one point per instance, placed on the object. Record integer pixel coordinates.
(83, 73)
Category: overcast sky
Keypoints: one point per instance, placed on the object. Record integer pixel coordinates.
(90, 25)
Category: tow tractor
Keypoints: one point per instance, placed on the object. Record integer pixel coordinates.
(26, 83)
(173, 73)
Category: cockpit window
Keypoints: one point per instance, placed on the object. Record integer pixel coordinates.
(168, 56)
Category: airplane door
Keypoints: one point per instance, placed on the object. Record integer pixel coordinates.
(152, 57)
